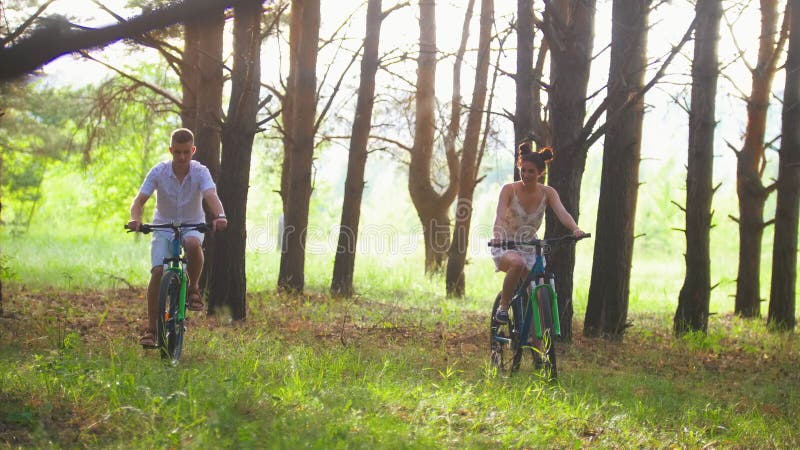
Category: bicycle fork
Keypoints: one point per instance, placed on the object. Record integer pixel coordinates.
(180, 314)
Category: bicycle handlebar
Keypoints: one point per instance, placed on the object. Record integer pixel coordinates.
(146, 228)
(536, 242)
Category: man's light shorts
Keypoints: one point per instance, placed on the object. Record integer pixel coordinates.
(161, 244)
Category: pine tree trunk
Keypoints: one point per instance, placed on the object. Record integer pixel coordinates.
(749, 187)
(288, 100)
(205, 71)
(228, 283)
(344, 262)
(432, 207)
(693, 300)
(523, 114)
(783, 287)
(291, 275)
(189, 74)
(619, 183)
(207, 129)
(457, 257)
(571, 58)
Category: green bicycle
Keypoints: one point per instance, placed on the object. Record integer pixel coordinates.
(170, 325)
(533, 315)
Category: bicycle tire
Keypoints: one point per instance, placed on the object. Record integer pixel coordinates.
(169, 328)
(547, 346)
(504, 344)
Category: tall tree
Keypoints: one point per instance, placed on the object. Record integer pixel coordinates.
(613, 251)
(693, 300)
(292, 266)
(431, 206)
(523, 114)
(228, 287)
(201, 108)
(454, 126)
(569, 30)
(344, 262)
(782, 295)
(750, 164)
(530, 117)
(189, 75)
(469, 158)
(288, 101)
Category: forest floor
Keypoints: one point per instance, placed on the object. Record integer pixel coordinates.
(739, 370)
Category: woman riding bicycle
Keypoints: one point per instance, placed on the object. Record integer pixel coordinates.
(520, 210)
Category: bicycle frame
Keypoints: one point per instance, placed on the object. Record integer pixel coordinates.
(538, 273)
(177, 263)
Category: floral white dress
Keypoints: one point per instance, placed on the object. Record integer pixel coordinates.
(520, 225)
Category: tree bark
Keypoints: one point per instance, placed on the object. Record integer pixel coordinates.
(457, 256)
(201, 111)
(454, 127)
(292, 267)
(189, 75)
(523, 114)
(432, 207)
(749, 162)
(228, 281)
(569, 30)
(287, 113)
(619, 184)
(207, 128)
(782, 300)
(693, 300)
(344, 262)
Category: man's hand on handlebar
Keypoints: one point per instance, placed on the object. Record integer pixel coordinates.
(219, 224)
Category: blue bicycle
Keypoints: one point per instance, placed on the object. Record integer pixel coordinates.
(172, 292)
(533, 315)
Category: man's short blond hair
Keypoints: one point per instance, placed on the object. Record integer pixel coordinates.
(180, 136)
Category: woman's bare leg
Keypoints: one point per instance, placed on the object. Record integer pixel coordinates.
(514, 266)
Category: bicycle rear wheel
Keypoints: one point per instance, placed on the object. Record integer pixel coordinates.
(506, 351)
(169, 328)
(547, 345)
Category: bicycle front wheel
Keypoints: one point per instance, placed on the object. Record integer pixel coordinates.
(169, 327)
(547, 347)
(505, 346)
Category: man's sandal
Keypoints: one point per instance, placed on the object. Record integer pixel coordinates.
(148, 340)
(195, 301)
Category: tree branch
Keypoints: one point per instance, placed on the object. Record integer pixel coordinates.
(25, 25)
(336, 89)
(137, 81)
(50, 42)
(591, 138)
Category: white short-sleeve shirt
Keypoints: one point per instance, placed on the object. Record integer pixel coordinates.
(176, 201)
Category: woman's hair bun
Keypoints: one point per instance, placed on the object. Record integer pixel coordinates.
(547, 153)
(525, 148)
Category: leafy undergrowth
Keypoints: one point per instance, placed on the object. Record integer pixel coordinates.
(318, 372)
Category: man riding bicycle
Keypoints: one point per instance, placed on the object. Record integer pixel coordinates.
(180, 185)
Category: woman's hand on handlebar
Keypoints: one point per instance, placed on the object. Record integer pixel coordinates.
(133, 225)
(578, 233)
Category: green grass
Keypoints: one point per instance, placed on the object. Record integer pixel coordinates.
(311, 371)
(399, 366)
(77, 261)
